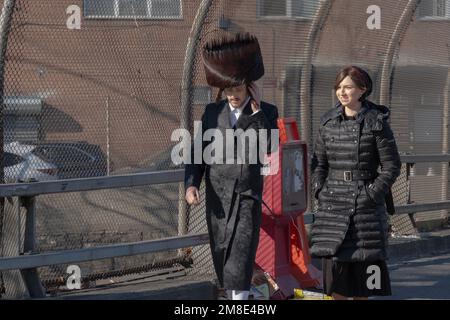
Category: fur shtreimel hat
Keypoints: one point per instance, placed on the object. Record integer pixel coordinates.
(233, 61)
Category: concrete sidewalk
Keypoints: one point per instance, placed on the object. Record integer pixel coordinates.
(428, 244)
(182, 288)
(420, 278)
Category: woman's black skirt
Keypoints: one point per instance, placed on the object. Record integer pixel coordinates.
(356, 279)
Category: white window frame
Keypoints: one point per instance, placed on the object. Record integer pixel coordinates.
(287, 16)
(116, 15)
(434, 15)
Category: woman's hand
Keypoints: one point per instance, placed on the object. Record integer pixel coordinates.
(192, 196)
(255, 93)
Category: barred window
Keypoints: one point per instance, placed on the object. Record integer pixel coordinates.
(126, 9)
(434, 9)
(287, 8)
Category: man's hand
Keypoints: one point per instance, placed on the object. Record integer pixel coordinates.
(256, 96)
(192, 196)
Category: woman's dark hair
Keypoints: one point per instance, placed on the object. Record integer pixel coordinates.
(359, 76)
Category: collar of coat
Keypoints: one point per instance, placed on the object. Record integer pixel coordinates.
(371, 113)
(223, 111)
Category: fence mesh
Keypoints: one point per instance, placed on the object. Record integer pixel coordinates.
(96, 88)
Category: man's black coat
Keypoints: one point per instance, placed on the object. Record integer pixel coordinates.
(232, 194)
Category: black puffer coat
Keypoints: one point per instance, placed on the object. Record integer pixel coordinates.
(351, 221)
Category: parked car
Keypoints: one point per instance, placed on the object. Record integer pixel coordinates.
(74, 159)
(22, 165)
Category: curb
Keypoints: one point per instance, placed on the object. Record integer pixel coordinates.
(149, 290)
(428, 245)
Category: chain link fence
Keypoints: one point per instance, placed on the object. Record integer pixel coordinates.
(96, 88)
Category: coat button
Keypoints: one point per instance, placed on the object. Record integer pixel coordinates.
(354, 130)
(353, 194)
(329, 208)
(356, 141)
(351, 210)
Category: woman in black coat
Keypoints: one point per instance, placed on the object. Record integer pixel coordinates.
(233, 191)
(350, 230)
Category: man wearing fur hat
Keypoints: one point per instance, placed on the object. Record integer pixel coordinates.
(233, 192)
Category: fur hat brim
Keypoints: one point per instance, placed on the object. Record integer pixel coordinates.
(233, 61)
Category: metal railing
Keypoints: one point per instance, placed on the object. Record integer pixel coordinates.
(30, 260)
(27, 193)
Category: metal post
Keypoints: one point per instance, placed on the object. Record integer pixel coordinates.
(5, 25)
(305, 120)
(31, 276)
(186, 98)
(445, 144)
(408, 190)
(305, 80)
(408, 182)
(388, 62)
(393, 46)
(108, 160)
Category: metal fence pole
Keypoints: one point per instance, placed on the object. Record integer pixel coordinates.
(186, 98)
(31, 276)
(305, 120)
(5, 25)
(445, 145)
(394, 43)
(408, 188)
(305, 82)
